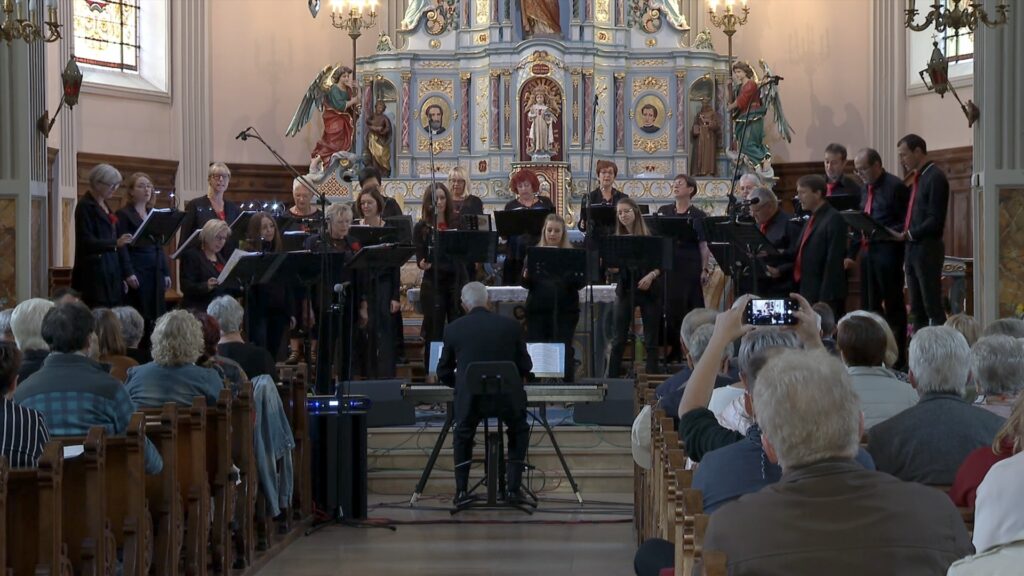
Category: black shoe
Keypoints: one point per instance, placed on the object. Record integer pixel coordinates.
(515, 498)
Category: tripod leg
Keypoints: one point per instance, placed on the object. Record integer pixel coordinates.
(561, 457)
(449, 419)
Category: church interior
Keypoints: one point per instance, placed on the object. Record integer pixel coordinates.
(284, 109)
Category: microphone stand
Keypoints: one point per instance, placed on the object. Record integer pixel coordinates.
(323, 374)
(731, 209)
(588, 232)
(434, 252)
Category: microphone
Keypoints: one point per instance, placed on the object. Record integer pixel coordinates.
(750, 202)
(244, 134)
(339, 288)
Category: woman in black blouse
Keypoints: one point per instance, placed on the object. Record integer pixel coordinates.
(302, 216)
(440, 288)
(380, 300)
(604, 195)
(635, 288)
(463, 203)
(102, 272)
(553, 306)
(147, 261)
(269, 305)
(213, 206)
(201, 266)
(525, 185)
(684, 283)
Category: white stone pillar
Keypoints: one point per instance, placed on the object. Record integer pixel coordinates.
(67, 155)
(22, 171)
(998, 183)
(888, 82)
(193, 138)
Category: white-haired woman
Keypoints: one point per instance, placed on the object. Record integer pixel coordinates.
(213, 206)
(133, 329)
(173, 376)
(201, 266)
(101, 272)
(27, 325)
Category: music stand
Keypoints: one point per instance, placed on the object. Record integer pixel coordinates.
(844, 202)
(517, 222)
(747, 241)
(679, 230)
(373, 235)
(560, 266)
(294, 240)
(872, 229)
(468, 246)
(241, 223)
(403, 224)
(475, 222)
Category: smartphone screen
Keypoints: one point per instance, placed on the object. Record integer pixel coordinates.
(771, 312)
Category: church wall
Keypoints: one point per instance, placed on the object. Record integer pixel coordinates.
(818, 48)
(939, 120)
(261, 68)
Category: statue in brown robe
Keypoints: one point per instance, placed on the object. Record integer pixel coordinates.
(706, 130)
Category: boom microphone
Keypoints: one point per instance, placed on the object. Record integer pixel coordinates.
(244, 134)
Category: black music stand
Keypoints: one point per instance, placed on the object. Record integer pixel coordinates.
(871, 229)
(560, 266)
(844, 202)
(248, 271)
(603, 215)
(240, 225)
(678, 229)
(403, 224)
(468, 246)
(517, 222)
(294, 240)
(373, 235)
(160, 225)
(747, 242)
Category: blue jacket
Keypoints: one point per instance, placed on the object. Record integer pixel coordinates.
(152, 385)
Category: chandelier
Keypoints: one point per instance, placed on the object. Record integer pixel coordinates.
(956, 18)
(15, 25)
(353, 15)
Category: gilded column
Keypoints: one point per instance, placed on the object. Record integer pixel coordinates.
(620, 110)
(682, 134)
(465, 77)
(406, 105)
(576, 106)
(506, 82)
(495, 110)
(588, 108)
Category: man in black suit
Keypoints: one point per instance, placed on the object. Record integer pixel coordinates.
(820, 249)
(884, 198)
(483, 336)
(924, 225)
(777, 226)
(837, 183)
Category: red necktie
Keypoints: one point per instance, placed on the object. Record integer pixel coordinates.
(800, 251)
(831, 186)
(910, 206)
(867, 210)
(764, 228)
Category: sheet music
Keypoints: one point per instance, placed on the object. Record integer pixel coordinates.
(145, 222)
(237, 255)
(188, 243)
(73, 451)
(548, 359)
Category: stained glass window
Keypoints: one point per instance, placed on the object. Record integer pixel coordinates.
(107, 33)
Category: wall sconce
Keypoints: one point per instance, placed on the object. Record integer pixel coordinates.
(936, 79)
(71, 80)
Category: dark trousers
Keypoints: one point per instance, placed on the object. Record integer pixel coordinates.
(924, 281)
(652, 556)
(267, 329)
(881, 280)
(518, 432)
(440, 305)
(378, 358)
(543, 326)
(398, 335)
(650, 313)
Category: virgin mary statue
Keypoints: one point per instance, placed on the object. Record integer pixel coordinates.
(540, 17)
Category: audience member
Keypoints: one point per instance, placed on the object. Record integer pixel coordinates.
(6, 335)
(133, 328)
(255, 360)
(694, 352)
(861, 343)
(230, 372)
(927, 443)
(66, 295)
(112, 349)
(173, 376)
(967, 325)
(892, 351)
(1008, 441)
(727, 403)
(68, 372)
(827, 510)
(694, 319)
(998, 523)
(27, 324)
(1007, 327)
(22, 430)
(997, 364)
(828, 325)
(698, 428)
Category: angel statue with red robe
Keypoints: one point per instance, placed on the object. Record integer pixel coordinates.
(337, 97)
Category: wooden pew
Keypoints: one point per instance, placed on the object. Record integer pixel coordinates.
(715, 563)
(194, 484)
(221, 480)
(243, 417)
(33, 514)
(688, 508)
(124, 490)
(294, 381)
(163, 491)
(85, 523)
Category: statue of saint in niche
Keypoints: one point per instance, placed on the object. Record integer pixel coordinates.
(706, 130)
(540, 18)
(378, 140)
(541, 137)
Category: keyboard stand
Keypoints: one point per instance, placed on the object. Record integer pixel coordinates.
(543, 419)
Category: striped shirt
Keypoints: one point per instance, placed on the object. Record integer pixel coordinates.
(22, 434)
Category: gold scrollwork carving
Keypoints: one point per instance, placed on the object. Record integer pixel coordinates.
(440, 144)
(659, 85)
(465, 76)
(604, 37)
(651, 62)
(481, 38)
(681, 74)
(650, 167)
(434, 85)
(602, 10)
(435, 44)
(435, 64)
(406, 76)
(650, 145)
(483, 109)
(651, 42)
(619, 75)
(482, 11)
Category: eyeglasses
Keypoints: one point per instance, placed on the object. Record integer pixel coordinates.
(219, 177)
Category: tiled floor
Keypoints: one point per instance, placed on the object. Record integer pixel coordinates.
(474, 543)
